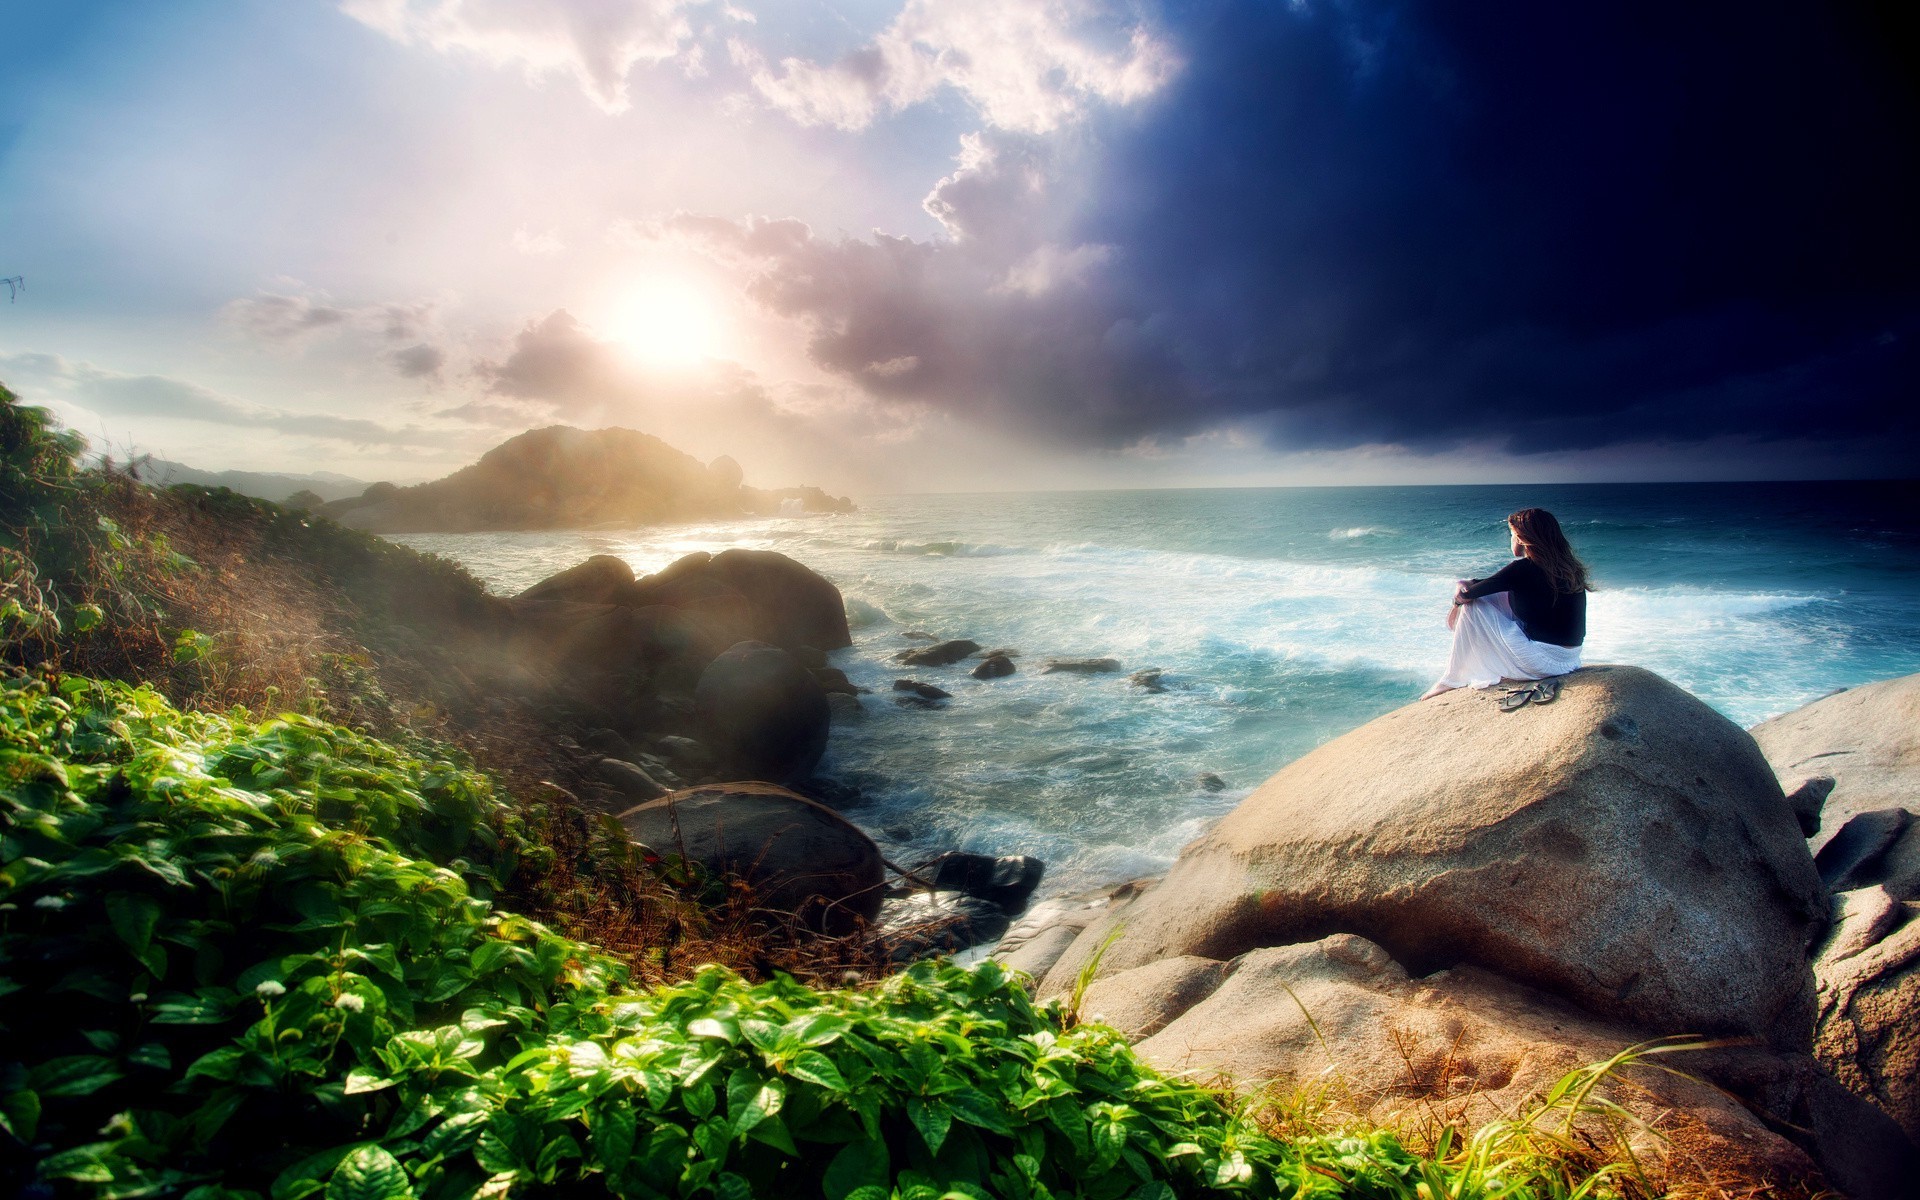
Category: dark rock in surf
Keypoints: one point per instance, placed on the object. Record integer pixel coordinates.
(993, 666)
(833, 679)
(1148, 679)
(1006, 881)
(925, 691)
(923, 924)
(940, 654)
(1081, 666)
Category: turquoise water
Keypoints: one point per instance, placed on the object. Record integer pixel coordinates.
(1282, 618)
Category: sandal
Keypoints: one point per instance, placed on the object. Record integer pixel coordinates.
(1547, 690)
(1517, 699)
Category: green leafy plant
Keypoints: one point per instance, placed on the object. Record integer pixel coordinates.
(266, 960)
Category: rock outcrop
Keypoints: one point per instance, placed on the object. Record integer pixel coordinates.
(1866, 739)
(565, 478)
(1625, 848)
(800, 858)
(1340, 1023)
(1855, 757)
(767, 715)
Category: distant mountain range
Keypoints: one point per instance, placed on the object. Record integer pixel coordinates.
(565, 478)
(327, 485)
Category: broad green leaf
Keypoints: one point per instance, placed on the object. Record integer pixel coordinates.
(975, 1107)
(369, 1173)
(611, 1137)
(932, 1120)
(76, 1075)
(20, 1114)
(816, 1068)
(133, 917)
(360, 1080)
(858, 1164)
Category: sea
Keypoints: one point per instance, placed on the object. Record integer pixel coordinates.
(1278, 617)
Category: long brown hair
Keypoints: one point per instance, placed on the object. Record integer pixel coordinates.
(1542, 541)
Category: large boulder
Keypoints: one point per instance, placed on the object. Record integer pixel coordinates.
(1626, 848)
(801, 859)
(1339, 1022)
(765, 596)
(612, 655)
(602, 579)
(767, 716)
(1867, 739)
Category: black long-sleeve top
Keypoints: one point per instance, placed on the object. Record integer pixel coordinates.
(1545, 613)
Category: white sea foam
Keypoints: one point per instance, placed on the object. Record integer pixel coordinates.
(1359, 531)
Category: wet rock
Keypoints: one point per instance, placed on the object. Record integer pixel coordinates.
(1849, 858)
(1007, 881)
(768, 716)
(925, 691)
(1148, 679)
(1212, 783)
(808, 657)
(919, 635)
(799, 856)
(940, 654)
(994, 666)
(833, 679)
(1081, 666)
(843, 709)
(927, 923)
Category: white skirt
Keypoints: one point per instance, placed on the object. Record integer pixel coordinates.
(1489, 645)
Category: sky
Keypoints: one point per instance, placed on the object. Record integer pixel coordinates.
(953, 245)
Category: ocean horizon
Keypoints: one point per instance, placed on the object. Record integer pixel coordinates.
(1279, 618)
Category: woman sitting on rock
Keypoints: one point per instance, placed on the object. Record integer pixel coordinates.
(1525, 621)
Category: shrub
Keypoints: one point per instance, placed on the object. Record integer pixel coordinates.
(259, 959)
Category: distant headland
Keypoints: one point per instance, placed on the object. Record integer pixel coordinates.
(566, 478)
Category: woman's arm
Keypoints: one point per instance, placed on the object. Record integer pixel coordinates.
(1503, 580)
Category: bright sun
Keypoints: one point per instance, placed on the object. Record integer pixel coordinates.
(667, 322)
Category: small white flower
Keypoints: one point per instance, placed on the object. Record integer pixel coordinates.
(350, 1002)
(50, 902)
(267, 989)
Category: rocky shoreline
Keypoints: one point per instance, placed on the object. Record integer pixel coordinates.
(1444, 910)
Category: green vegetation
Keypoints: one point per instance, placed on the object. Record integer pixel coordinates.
(259, 959)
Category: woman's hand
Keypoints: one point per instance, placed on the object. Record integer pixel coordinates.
(1459, 598)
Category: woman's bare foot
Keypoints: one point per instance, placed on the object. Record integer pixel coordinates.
(1435, 690)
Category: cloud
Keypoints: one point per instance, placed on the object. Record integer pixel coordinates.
(1394, 225)
(598, 42)
(559, 362)
(1025, 65)
(118, 394)
(537, 245)
(419, 362)
(295, 317)
(279, 318)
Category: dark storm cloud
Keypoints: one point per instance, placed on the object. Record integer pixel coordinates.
(1563, 225)
(1553, 227)
(557, 361)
